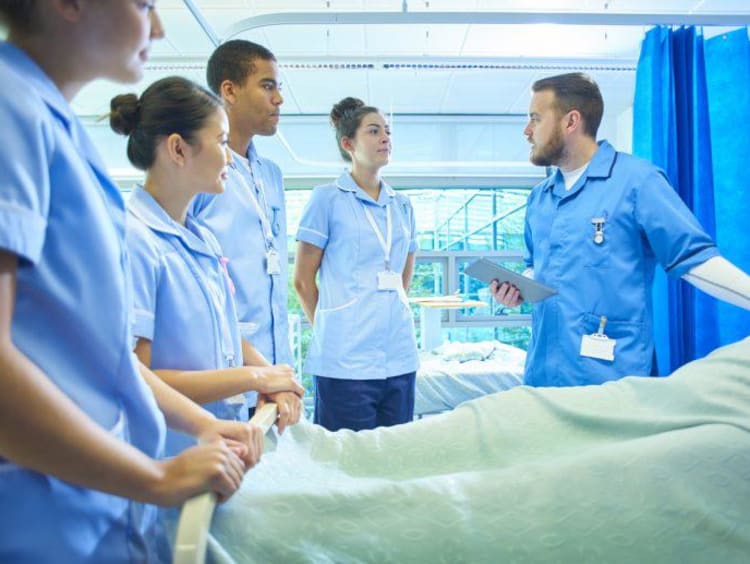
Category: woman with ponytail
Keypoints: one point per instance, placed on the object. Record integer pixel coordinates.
(186, 327)
(360, 235)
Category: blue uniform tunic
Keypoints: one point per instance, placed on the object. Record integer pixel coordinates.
(645, 222)
(234, 219)
(183, 301)
(65, 220)
(360, 333)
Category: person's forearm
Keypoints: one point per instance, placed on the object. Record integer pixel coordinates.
(44, 430)
(307, 263)
(180, 411)
(252, 356)
(205, 386)
(721, 279)
(308, 298)
(408, 273)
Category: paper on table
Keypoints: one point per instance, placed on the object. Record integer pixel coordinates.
(487, 271)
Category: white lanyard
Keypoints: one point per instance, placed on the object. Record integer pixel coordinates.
(211, 291)
(388, 242)
(261, 210)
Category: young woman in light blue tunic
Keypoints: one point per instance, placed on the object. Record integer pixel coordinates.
(80, 424)
(186, 327)
(359, 234)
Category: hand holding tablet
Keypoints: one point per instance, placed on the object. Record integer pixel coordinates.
(487, 271)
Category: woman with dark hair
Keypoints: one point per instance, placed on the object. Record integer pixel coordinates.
(360, 234)
(80, 430)
(186, 326)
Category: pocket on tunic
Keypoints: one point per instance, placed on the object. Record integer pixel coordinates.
(118, 430)
(335, 327)
(248, 329)
(632, 355)
(597, 256)
(327, 310)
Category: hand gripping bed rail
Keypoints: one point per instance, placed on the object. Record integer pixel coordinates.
(195, 518)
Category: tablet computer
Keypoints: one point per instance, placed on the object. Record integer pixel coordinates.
(487, 271)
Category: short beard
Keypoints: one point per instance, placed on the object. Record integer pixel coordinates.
(552, 153)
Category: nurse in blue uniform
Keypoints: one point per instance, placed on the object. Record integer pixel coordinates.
(359, 235)
(80, 424)
(186, 326)
(249, 218)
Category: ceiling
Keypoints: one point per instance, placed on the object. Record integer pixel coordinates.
(455, 75)
(416, 67)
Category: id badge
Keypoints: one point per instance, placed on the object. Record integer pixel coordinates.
(273, 264)
(598, 346)
(389, 281)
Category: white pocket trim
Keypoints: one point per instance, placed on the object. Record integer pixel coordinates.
(337, 308)
(248, 328)
(118, 429)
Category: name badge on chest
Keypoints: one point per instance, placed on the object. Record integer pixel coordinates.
(389, 281)
(598, 345)
(273, 262)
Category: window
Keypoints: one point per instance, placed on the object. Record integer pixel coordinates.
(455, 226)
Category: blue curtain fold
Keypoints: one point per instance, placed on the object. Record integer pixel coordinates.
(681, 111)
(728, 80)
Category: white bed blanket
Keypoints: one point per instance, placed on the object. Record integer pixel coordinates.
(457, 372)
(640, 470)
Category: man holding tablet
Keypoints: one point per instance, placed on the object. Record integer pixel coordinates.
(594, 231)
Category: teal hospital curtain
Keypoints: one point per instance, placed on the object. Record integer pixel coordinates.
(681, 112)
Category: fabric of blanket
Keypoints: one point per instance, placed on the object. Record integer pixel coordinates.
(444, 381)
(638, 470)
(467, 351)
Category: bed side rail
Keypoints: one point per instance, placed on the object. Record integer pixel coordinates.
(195, 517)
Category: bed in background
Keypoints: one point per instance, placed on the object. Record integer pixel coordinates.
(457, 372)
(637, 470)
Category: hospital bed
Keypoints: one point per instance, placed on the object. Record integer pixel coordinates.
(642, 469)
(457, 372)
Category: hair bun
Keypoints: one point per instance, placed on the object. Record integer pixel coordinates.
(344, 107)
(124, 113)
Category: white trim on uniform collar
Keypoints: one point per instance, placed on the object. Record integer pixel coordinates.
(344, 188)
(147, 209)
(383, 184)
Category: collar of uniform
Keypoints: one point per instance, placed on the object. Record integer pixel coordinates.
(346, 183)
(42, 83)
(147, 209)
(244, 161)
(600, 166)
(602, 162)
(549, 182)
(252, 154)
(239, 162)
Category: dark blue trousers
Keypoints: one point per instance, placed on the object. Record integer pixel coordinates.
(364, 404)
